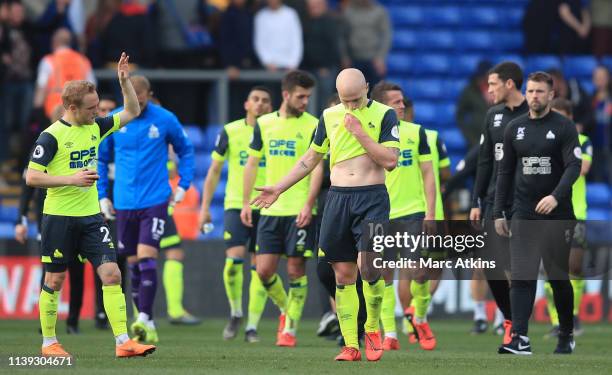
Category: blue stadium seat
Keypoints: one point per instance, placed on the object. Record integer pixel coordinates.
(483, 41)
(399, 63)
(418, 89)
(435, 40)
(599, 195)
(194, 133)
(202, 162)
(588, 86)
(465, 65)
(598, 214)
(219, 193)
(607, 61)
(424, 112)
(541, 62)
(198, 183)
(453, 88)
(6, 230)
(404, 39)
(210, 135)
(510, 41)
(445, 114)
(442, 16)
(480, 16)
(432, 64)
(512, 16)
(9, 213)
(406, 15)
(579, 66)
(455, 143)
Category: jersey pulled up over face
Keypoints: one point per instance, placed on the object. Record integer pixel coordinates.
(377, 120)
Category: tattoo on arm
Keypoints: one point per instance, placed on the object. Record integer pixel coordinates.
(303, 165)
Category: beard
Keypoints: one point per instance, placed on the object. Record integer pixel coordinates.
(293, 111)
(538, 108)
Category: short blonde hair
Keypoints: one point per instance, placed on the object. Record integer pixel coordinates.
(75, 91)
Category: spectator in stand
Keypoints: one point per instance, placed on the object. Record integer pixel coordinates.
(539, 22)
(571, 90)
(128, 30)
(321, 48)
(95, 25)
(278, 37)
(366, 39)
(58, 14)
(574, 28)
(236, 51)
(602, 134)
(473, 103)
(62, 65)
(15, 73)
(236, 39)
(601, 15)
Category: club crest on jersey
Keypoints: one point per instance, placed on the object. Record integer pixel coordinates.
(93, 137)
(153, 131)
(520, 133)
(299, 136)
(497, 120)
(550, 135)
(371, 126)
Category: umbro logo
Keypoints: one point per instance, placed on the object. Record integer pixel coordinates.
(299, 136)
(335, 125)
(550, 135)
(93, 137)
(409, 142)
(68, 144)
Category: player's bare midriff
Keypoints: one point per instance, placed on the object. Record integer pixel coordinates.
(358, 171)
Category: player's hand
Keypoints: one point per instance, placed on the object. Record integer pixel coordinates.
(546, 205)
(246, 216)
(501, 227)
(304, 217)
(475, 216)
(21, 233)
(84, 178)
(352, 124)
(123, 67)
(108, 211)
(204, 218)
(269, 195)
(179, 195)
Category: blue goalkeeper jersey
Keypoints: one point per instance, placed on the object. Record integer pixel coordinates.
(140, 151)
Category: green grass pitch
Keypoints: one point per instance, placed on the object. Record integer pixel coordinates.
(201, 350)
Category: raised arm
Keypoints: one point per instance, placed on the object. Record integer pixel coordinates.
(131, 110)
